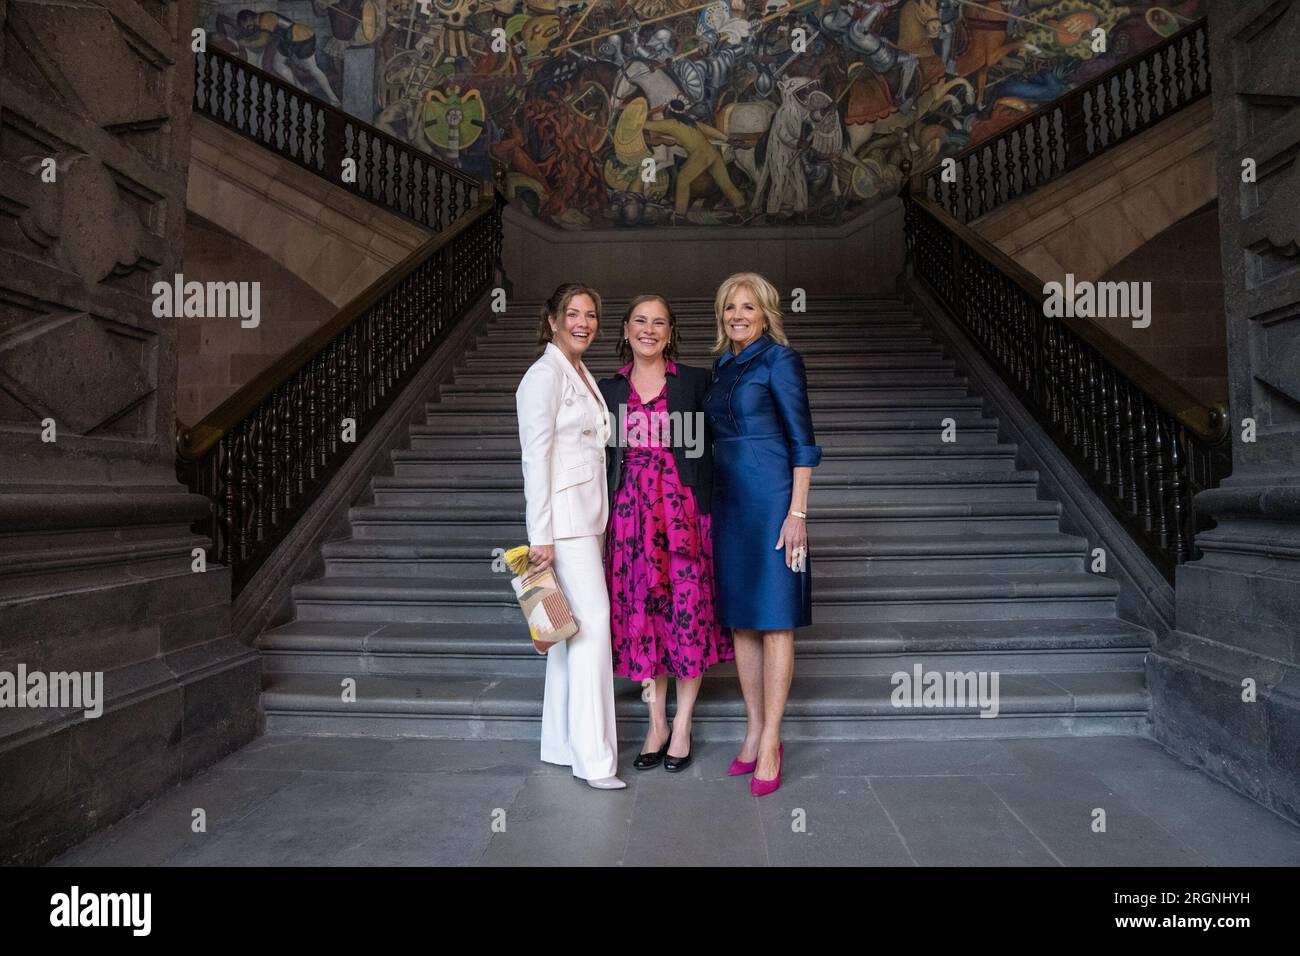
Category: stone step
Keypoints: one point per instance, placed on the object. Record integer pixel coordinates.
(961, 462)
(427, 438)
(498, 529)
(428, 485)
(819, 707)
(924, 553)
(938, 555)
(512, 370)
(889, 466)
(441, 421)
(1071, 645)
(705, 319)
(817, 299)
(479, 382)
(955, 457)
(704, 334)
(923, 359)
(843, 597)
(472, 558)
(859, 457)
(969, 596)
(945, 396)
(818, 304)
(699, 352)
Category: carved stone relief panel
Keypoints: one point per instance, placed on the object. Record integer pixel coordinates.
(1257, 102)
(94, 127)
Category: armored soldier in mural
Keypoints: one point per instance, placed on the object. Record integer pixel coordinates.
(853, 24)
(938, 73)
(644, 69)
(709, 70)
(948, 13)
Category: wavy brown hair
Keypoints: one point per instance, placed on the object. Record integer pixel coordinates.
(624, 347)
(558, 302)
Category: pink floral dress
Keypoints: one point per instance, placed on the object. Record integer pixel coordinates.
(659, 557)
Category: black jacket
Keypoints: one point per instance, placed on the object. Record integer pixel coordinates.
(685, 395)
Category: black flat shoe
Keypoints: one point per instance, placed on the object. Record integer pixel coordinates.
(652, 758)
(674, 764)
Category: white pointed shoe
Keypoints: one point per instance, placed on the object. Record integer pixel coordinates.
(607, 783)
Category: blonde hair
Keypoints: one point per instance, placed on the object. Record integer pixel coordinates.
(769, 300)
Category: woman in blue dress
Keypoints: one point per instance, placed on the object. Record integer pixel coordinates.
(763, 456)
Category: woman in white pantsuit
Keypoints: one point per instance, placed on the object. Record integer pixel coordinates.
(563, 426)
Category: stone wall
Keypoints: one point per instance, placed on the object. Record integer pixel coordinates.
(1225, 686)
(863, 256)
(1142, 212)
(216, 356)
(1087, 221)
(98, 572)
(257, 217)
(1187, 338)
(335, 242)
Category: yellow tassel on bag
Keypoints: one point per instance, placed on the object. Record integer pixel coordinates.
(547, 612)
(517, 559)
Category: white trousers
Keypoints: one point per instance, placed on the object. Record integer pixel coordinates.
(578, 706)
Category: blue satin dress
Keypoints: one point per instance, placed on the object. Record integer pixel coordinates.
(757, 405)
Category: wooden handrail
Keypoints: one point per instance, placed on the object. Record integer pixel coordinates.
(196, 440)
(318, 136)
(264, 456)
(1209, 422)
(330, 109)
(1144, 444)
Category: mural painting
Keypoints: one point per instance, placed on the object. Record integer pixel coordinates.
(662, 112)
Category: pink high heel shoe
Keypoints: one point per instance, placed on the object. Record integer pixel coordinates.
(739, 767)
(760, 788)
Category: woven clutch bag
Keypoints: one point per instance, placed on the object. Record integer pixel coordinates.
(546, 610)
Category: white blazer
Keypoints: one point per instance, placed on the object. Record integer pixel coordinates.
(563, 428)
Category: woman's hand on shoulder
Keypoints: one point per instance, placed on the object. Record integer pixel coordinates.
(540, 557)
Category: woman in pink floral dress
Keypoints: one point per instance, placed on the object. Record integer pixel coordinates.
(658, 550)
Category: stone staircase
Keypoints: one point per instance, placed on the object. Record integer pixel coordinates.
(925, 552)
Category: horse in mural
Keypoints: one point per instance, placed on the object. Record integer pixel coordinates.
(983, 39)
(879, 133)
(983, 42)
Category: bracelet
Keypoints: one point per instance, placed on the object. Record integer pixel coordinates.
(799, 514)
